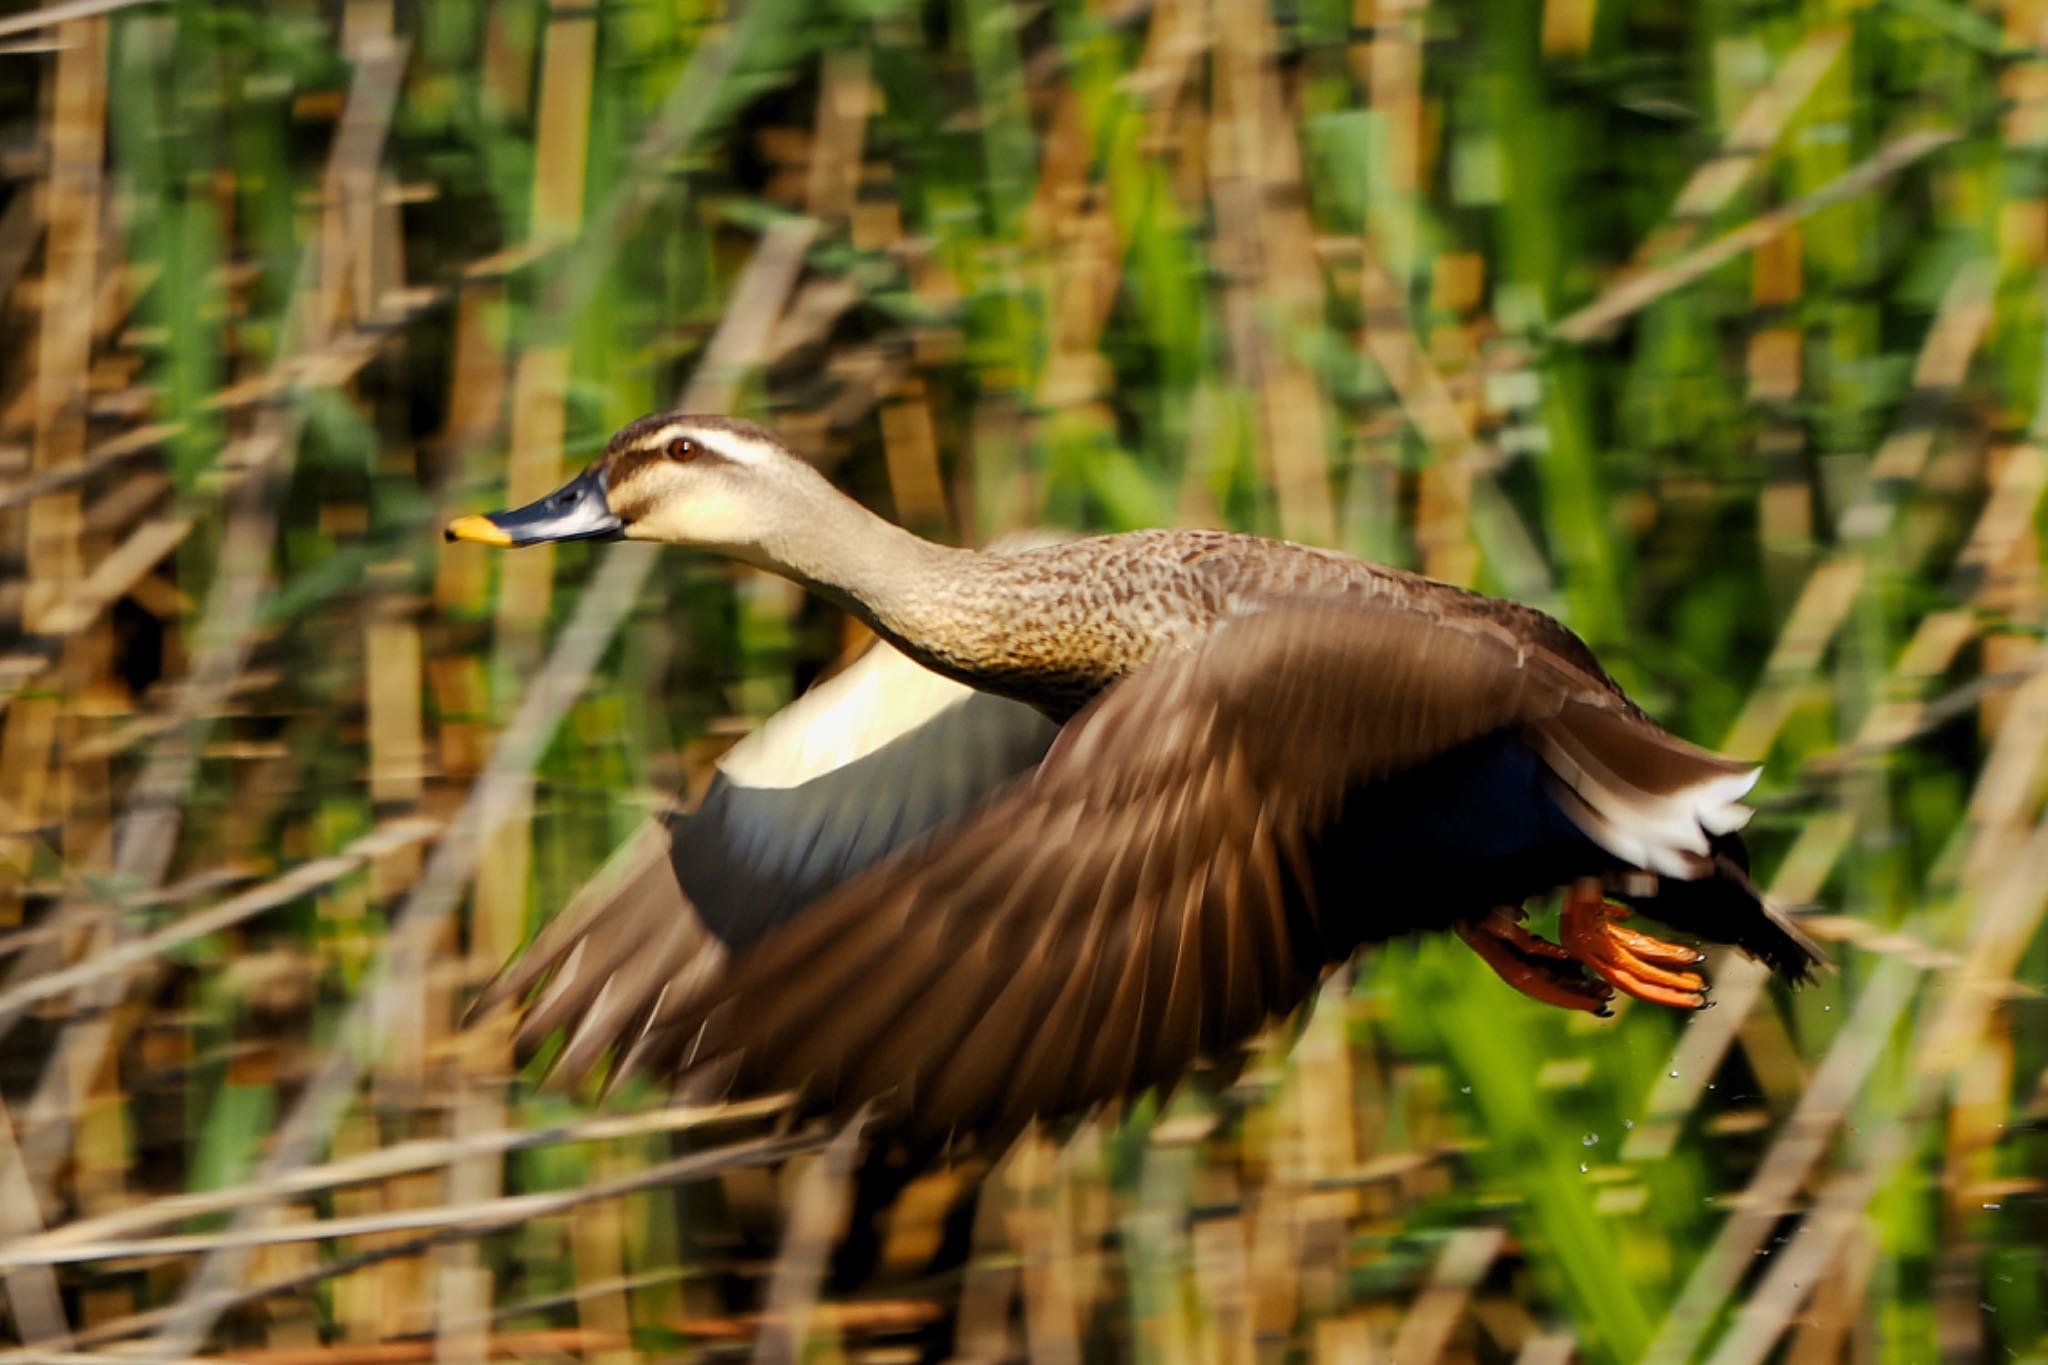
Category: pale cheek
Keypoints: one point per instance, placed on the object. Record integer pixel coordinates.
(704, 519)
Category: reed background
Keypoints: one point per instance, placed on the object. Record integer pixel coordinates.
(1716, 328)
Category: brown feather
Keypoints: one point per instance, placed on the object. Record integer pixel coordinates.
(1175, 871)
(623, 968)
(1160, 775)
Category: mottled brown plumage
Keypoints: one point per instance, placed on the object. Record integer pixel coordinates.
(1270, 755)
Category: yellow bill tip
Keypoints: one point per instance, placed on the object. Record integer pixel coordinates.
(482, 530)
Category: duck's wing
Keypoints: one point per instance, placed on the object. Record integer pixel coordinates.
(848, 773)
(851, 771)
(1163, 882)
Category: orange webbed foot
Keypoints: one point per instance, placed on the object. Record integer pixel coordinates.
(1536, 967)
(1633, 963)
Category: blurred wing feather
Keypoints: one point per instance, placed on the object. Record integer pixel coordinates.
(854, 769)
(1148, 895)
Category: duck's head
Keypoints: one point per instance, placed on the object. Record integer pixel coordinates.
(714, 482)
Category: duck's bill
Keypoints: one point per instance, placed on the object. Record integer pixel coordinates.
(578, 510)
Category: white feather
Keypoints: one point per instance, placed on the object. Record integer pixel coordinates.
(880, 697)
(1666, 833)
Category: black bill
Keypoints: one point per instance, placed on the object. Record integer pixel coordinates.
(578, 510)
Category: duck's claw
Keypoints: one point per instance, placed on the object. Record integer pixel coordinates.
(1633, 963)
(1536, 967)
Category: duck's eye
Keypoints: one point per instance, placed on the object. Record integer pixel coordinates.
(681, 448)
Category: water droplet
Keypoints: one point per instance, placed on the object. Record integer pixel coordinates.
(1464, 1090)
(1993, 1207)
(1582, 1168)
(1628, 1125)
(1590, 1140)
(1827, 1009)
(1674, 1075)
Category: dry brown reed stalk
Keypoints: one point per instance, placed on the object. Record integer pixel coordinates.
(467, 1220)
(910, 444)
(541, 379)
(1425, 1333)
(144, 839)
(685, 112)
(1810, 627)
(1637, 292)
(37, 730)
(695, 1166)
(21, 229)
(499, 790)
(1835, 1323)
(1282, 1221)
(989, 1282)
(537, 397)
(51, 16)
(1032, 1196)
(1463, 494)
(817, 1213)
(2012, 908)
(1268, 248)
(1745, 145)
(577, 651)
(129, 445)
(2012, 899)
(300, 881)
(385, 1163)
(1997, 936)
(1802, 1141)
(1559, 1348)
(33, 1296)
(462, 1284)
(464, 1336)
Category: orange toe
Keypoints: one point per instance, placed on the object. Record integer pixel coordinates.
(1631, 962)
(1535, 967)
(1653, 949)
(1503, 926)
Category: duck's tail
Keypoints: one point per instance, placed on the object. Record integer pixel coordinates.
(1725, 906)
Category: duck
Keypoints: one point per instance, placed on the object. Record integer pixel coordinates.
(1093, 812)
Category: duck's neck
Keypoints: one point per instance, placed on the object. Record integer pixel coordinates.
(980, 618)
(912, 592)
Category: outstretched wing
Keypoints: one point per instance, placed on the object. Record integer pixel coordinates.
(851, 771)
(1158, 887)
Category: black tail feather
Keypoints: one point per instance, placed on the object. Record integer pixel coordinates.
(1727, 907)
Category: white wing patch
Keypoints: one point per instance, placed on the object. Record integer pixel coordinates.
(850, 772)
(881, 697)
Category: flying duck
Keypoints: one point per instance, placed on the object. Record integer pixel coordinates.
(1094, 810)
